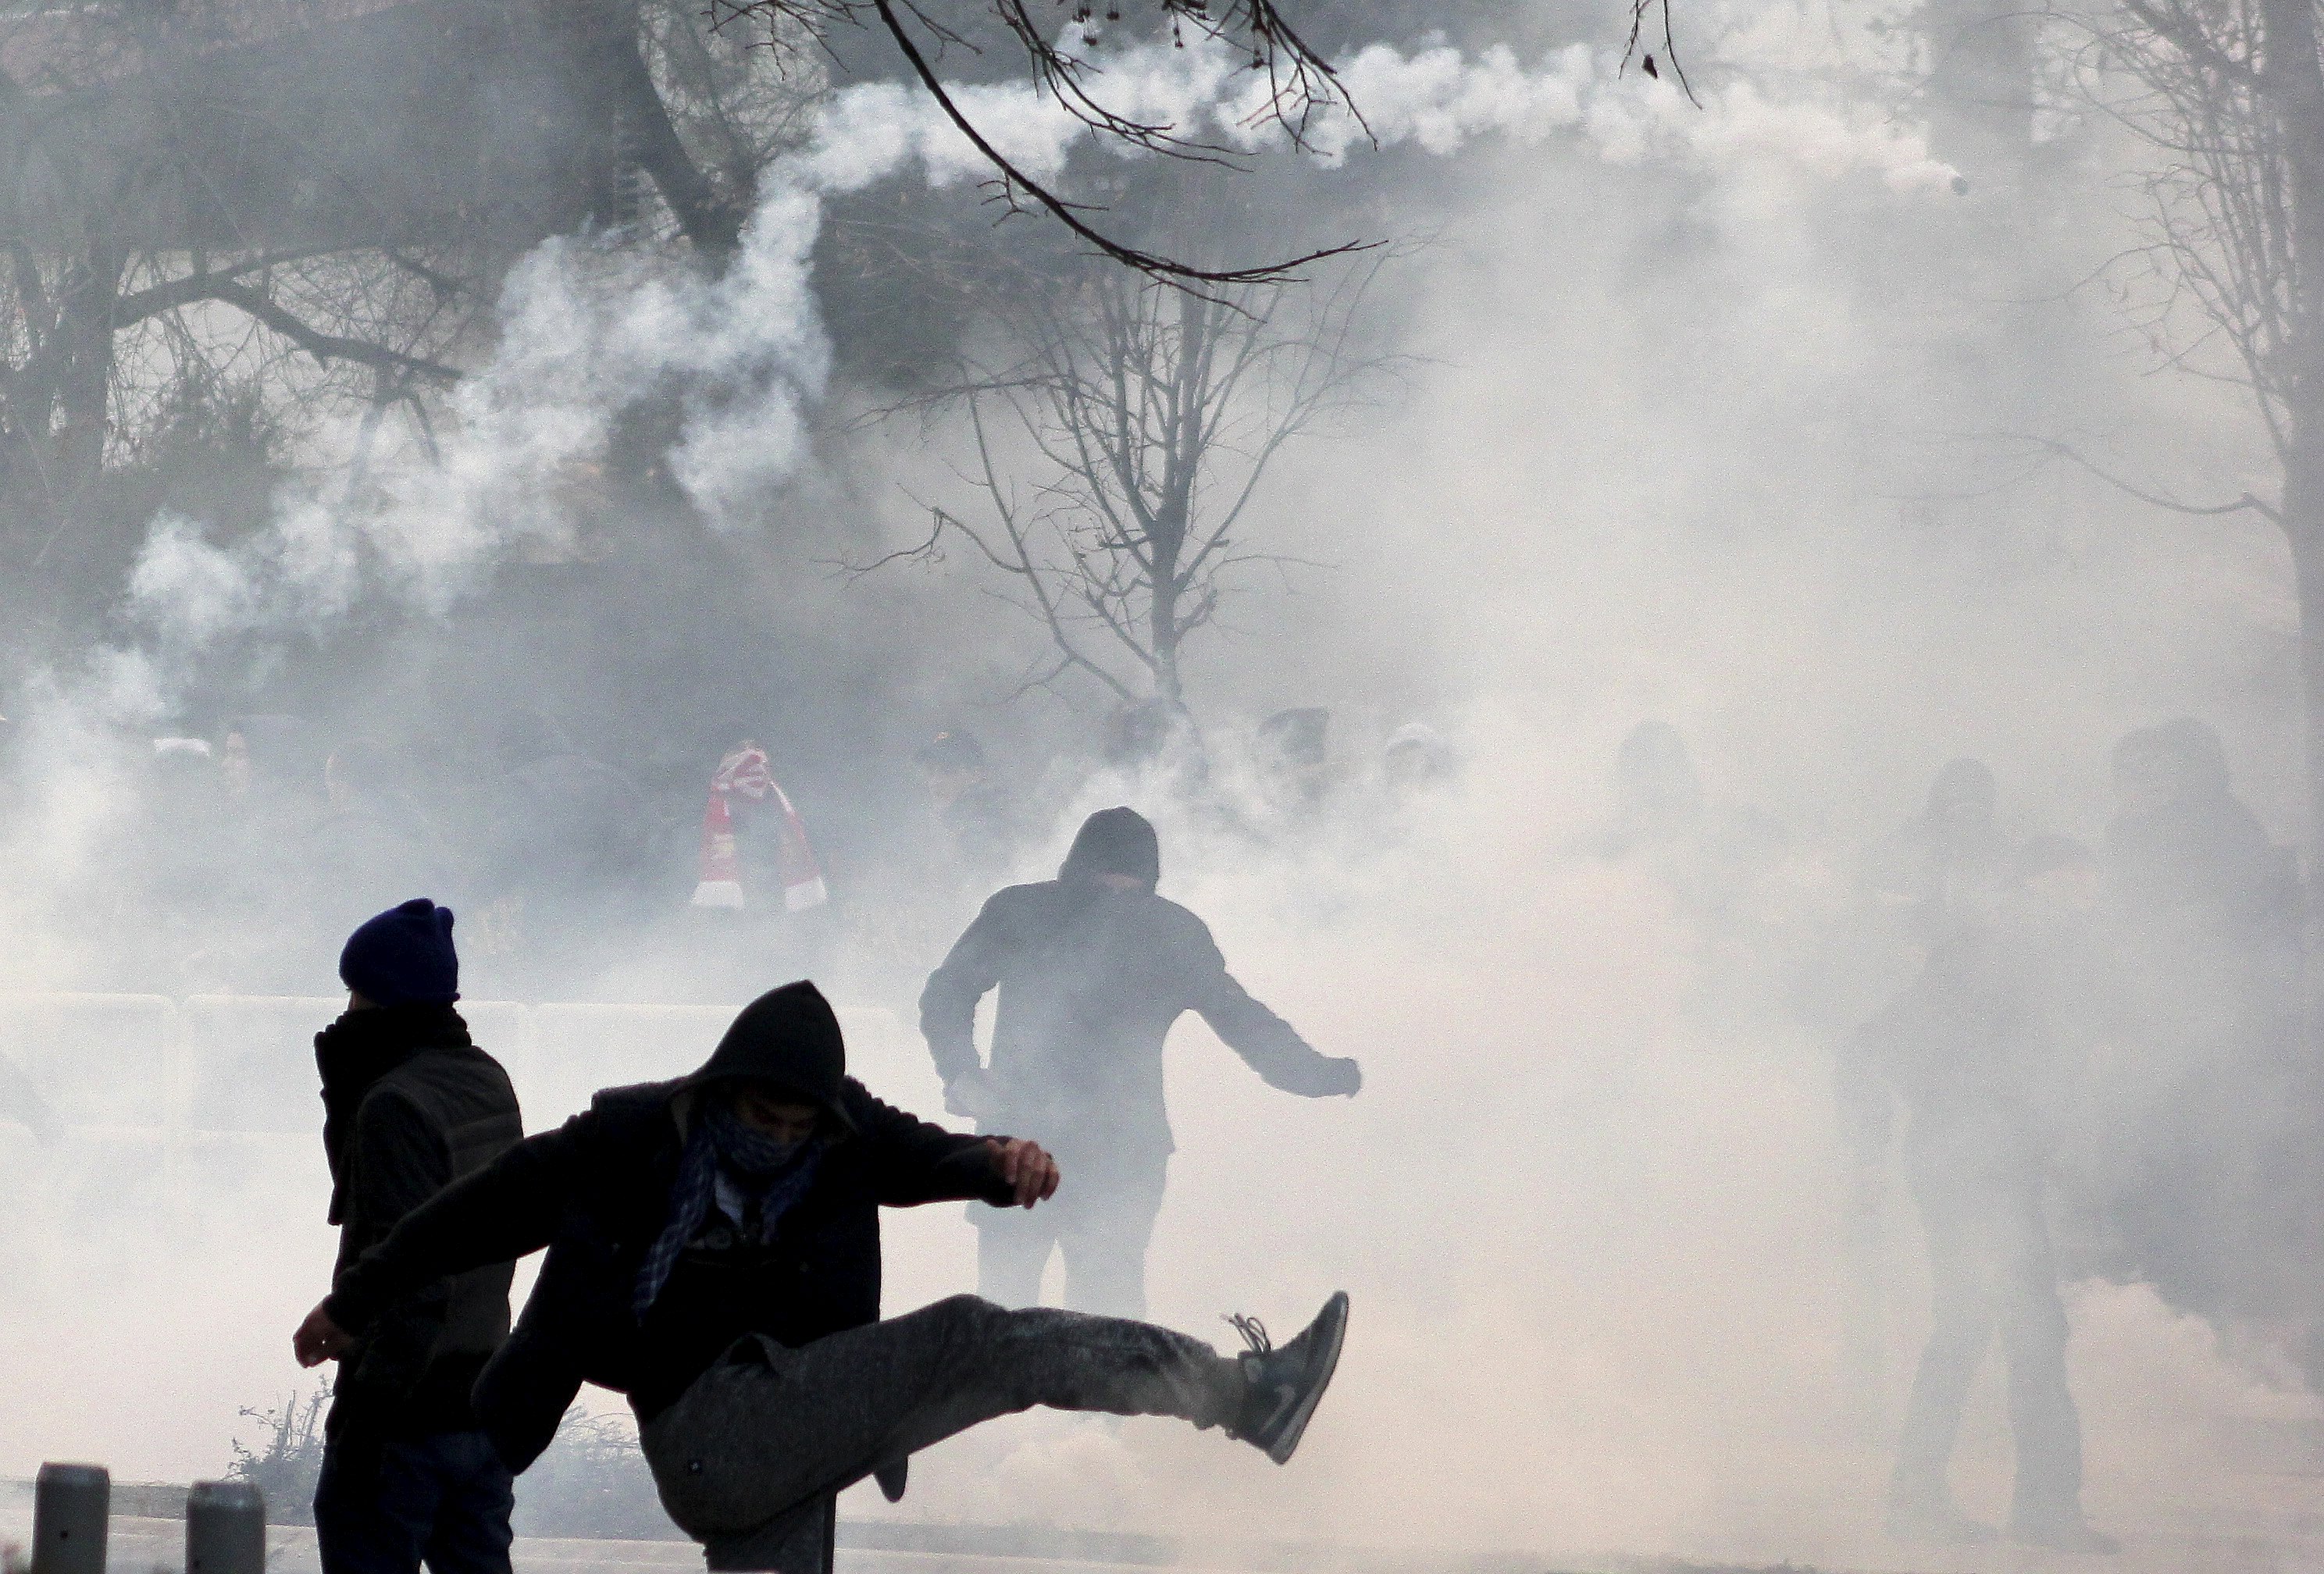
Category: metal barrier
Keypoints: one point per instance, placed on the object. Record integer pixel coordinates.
(225, 1528)
(72, 1505)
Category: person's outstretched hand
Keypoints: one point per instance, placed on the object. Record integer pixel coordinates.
(318, 1339)
(1030, 1172)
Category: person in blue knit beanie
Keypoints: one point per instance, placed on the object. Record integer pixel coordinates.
(403, 957)
(411, 1105)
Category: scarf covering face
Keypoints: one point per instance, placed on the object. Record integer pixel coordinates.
(358, 1049)
(778, 1172)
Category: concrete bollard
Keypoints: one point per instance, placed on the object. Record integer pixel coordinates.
(70, 1506)
(225, 1528)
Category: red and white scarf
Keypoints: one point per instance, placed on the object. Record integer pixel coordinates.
(745, 773)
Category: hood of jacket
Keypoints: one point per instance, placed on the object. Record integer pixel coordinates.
(788, 1038)
(1116, 841)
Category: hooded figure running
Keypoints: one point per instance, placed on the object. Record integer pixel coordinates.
(1093, 968)
(713, 1253)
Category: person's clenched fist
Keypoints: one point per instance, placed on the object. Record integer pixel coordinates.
(1027, 1166)
(318, 1339)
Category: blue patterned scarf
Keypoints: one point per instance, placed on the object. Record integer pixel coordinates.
(777, 1173)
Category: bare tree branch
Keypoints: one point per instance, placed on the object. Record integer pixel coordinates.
(1146, 419)
(2247, 503)
(1014, 180)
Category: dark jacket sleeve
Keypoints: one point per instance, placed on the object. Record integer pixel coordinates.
(398, 1163)
(914, 1162)
(1267, 1044)
(971, 969)
(504, 1212)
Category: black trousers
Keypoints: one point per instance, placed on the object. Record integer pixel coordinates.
(748, 1458)
(387, 1505)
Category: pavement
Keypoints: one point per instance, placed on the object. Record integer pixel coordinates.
(150, 1540)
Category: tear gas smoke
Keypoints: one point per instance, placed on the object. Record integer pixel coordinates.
(1660, 461)
(585, 332)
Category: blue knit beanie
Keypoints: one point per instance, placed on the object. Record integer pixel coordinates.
(403, 956)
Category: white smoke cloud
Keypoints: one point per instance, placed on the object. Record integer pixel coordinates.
(588, 331)
(585, 332)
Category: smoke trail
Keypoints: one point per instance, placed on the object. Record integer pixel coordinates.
(1439, 99)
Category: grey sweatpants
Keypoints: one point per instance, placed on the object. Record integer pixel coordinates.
(748, 1458)
(1991, 1270)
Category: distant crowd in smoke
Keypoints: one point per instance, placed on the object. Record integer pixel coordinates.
(2099, 1049)
(690, 874)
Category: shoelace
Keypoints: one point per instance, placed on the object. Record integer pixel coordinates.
(1253, 1331)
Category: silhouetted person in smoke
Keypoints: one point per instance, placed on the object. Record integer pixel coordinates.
(411, 1105)
(271, 795)
(2183, 851)
(1721, 864)
(1138, 736)
(1663, 817)
(1416, 761)
(761, 894)
(1945, 864)
(569, 840)
(1658, 798)
(1092, 968)
(1294, 751)
(713, 1253)
(2216, 1088)
(1987, 1051)
(1419, 774)
(971, 813)
(374, 838)
(1913, 887)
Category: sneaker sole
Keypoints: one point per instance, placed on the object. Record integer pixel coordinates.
(1284, 1446)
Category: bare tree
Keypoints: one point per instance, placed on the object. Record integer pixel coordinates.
(1119, 456)
(2229, 96)
(239, 227)
(111, 334)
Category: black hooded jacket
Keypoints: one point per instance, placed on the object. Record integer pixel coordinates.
(596, 1193)
(1091, 977)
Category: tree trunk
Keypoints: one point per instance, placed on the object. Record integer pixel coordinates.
(2304, 522)
(65, 418)
(1163, 635)
(609, 70)
(2292, 77)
